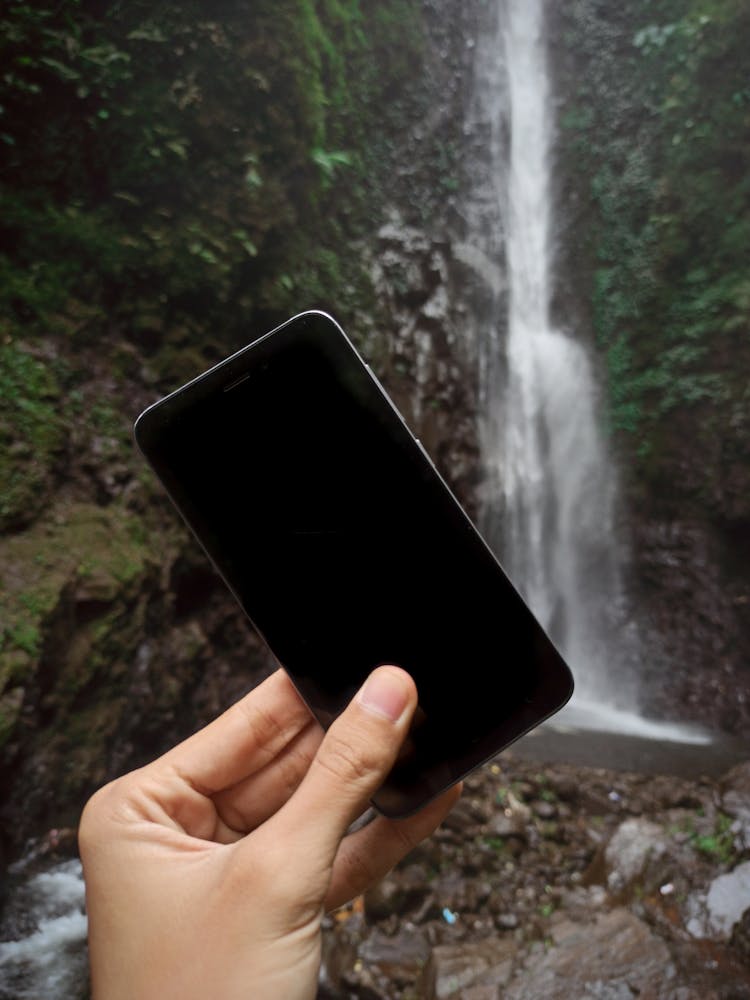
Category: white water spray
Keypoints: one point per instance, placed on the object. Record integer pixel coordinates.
(551, 487)
(549, 499)
(49, 960)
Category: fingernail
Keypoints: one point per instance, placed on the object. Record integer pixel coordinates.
(385, 693)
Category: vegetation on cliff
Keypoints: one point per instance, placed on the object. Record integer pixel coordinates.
(656, 133)
(173, 177)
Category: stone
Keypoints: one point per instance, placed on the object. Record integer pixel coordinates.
(398, 959)
(716, 913)
(512, 821)
(631, 857)
(454, 969)
(615, 958)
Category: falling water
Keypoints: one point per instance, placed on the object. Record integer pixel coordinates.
(549, 496)
(549, 506)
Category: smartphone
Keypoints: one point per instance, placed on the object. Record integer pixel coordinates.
(347, 550)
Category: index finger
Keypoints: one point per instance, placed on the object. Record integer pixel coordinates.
(242, 740)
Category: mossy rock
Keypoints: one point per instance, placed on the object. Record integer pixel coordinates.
(80, 564)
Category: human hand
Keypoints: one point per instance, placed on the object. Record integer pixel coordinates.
(208, 872)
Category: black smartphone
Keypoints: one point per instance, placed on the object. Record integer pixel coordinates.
(346, 550)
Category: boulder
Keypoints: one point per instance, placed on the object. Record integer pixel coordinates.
(632, 856)
(614, 958)
(471, 969)
(717, 912)
(398, 959)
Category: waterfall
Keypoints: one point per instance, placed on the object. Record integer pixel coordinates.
(550, 491)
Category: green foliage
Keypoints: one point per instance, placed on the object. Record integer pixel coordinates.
(171, 175)
(183, 162)
(718, 845)
(660, 131)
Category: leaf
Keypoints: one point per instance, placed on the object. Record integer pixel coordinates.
(330, 161)
(147, 33)
(104, 55)
(177, 146)
(63, 71)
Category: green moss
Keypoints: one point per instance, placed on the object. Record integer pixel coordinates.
(98, 553)
(718, 845)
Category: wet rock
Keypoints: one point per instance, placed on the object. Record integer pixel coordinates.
(615, 958)
(716, 913)
(633, 853)
(482, 966)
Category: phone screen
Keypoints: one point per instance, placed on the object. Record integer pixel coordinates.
(347, 551)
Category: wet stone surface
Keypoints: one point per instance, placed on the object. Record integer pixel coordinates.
(555, 881)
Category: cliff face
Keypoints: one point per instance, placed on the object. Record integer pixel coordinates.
(174, 186)
(654, 206)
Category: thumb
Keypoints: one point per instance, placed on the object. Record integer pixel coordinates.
(356, 754)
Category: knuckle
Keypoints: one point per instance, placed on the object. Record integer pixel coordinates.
(347, 759)
(266, 727)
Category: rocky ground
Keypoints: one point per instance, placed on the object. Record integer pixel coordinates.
(547, 882)
(555, 881)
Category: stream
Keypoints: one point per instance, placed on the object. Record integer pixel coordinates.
(43, 931)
